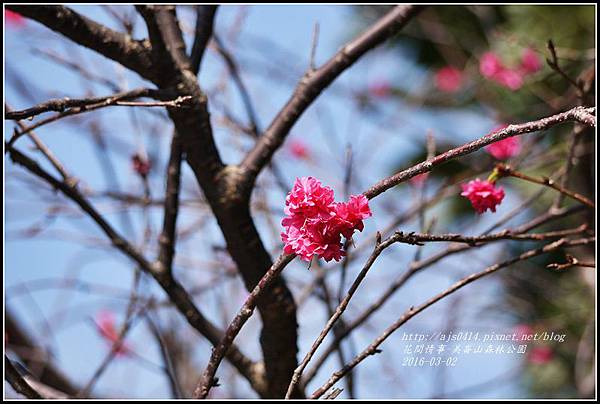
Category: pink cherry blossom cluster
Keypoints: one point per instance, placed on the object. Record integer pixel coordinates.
(315, 223)
(506, 148)
(483, 195)
(492, 68)
(486, 195)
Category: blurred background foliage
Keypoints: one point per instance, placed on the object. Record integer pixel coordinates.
(457, 36)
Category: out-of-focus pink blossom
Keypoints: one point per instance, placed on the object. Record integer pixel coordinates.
(299, 150)
(530, 61)
(419, 180)
(492, 68)
(483, 195)
(509, 78)
(380, 89)
(490, 65)
(105, 320)
(315, 223)
(13, 19)
(448, 79)
(540, 355)
(505, 149)
(522, 330)
(141, 164)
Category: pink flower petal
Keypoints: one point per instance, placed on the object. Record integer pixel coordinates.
(483, 195)
(505, 149)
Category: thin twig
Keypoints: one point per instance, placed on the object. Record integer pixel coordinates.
(379, 247)
(419, 239)
(233, 69)
(314, 82)
(417, 266)
(116, 346)
(570, 163)
(327, 299)
(553, 63)
(71, 107)
(333, 395)
(208, 378)
(313, 47)
(506, 170)
(117, 46)
(164, 351)
(77, 68)
(571, 262)
(167, 238)
(174, 290)
(578, 114)
(45, 150)
(20, 339)
(64, 104)
(373, 348)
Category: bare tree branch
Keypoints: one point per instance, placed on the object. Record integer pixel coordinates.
(373, 348)
(578, 114)
(174, 290)
(314, 82)
(47, 153)
(231, 207)
(168, 47)
(208, 378)
(119, 47)
(17, 382)
(205, 17)
(233, 69)
(170, 371)
(419, 239)
(227, 192)
(421, 264)
(64, 104)
(505, 170)
(78, 106)
(379, 247)
(49, 374)
(571, 262)
(168, 236)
